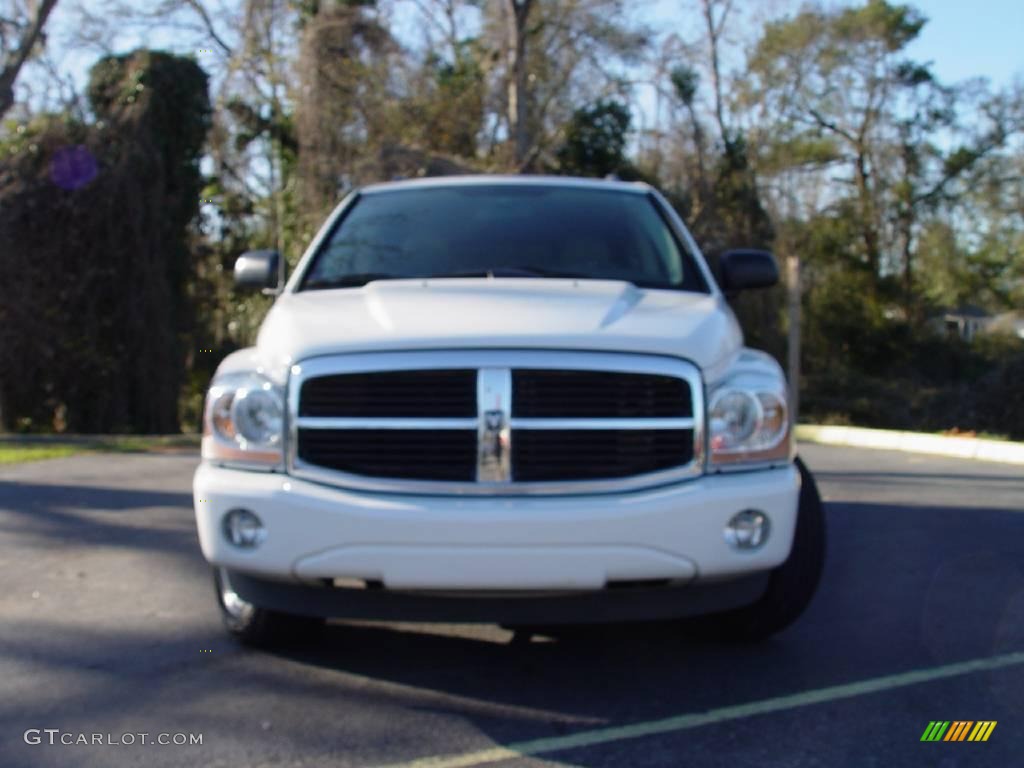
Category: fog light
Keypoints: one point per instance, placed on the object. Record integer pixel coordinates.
(747, 529)
(243, 528)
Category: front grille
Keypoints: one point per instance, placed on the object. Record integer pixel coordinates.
(600, 394)
(489, 425)
(391, 394)
(550, 455)
(410, 454)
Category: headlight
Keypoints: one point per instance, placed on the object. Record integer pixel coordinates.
(748, 421)
(244, 421)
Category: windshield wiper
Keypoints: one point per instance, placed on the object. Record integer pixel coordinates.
(356, 279)
(532, 271)
(353, 280)
(581, 276)
(505, 271)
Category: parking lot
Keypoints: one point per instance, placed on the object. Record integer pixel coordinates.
(108, 625)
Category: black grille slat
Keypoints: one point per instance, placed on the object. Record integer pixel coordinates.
(391, 394)
(412, 454)
(542, 393)
(553, 455)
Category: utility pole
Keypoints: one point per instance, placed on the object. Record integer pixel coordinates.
(793, 344)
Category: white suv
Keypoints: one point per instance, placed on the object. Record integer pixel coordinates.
(505, 399)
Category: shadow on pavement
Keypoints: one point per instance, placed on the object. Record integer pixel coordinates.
(905, 588)
(71, 514)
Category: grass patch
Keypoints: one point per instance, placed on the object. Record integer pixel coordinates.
(21, 448)
(15, 454)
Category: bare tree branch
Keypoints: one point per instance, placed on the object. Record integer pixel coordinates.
(196, 6)
(715, 28)
(17, 58)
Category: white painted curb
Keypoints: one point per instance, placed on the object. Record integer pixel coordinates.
(914, 442)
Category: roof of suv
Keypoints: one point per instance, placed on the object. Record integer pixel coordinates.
(636, 187)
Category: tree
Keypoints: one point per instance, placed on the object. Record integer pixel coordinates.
(595, 140)
(552, 56)
(99, 331)
(716, 14)
(836, 93)
(685, 83)
(518, 14)
(454, 114)
(832, 79)
(19, 35)
(346, 101)
(945, 176)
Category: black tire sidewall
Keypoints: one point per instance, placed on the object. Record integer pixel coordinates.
(262, 627)
(793, 584)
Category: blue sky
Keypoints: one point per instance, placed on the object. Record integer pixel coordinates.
(967, 39)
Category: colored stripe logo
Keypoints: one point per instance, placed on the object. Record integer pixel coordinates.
(958, 730)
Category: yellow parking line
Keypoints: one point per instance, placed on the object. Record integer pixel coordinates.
(723, 714)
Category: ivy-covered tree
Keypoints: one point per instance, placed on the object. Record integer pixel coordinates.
(94, 225)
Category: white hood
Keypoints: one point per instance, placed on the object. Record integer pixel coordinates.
(605, 315)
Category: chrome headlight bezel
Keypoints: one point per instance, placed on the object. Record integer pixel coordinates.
(766, 438)
(244, 422)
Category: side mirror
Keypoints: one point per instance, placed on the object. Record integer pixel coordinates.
(744, 268)
(258, 269)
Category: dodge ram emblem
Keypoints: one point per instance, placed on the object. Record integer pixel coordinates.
(494, 421)
(494, 437)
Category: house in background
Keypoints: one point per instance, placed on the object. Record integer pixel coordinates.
(966, 321)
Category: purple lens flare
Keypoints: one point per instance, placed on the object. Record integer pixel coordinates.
(73, 167)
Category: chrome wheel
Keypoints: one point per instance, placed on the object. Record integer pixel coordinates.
(231, 601)
(256, 626)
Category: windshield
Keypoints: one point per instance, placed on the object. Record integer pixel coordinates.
(513, 230)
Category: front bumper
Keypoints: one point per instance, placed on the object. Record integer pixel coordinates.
(638, 603)
(317, 533)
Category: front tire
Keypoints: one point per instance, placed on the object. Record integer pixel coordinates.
(791, 585)
(259, 627)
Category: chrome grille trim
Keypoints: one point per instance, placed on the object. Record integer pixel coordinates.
(595, 423)
(494, 480)
(371, 422)
(323, 422)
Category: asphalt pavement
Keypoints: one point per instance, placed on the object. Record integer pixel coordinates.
(108, 626)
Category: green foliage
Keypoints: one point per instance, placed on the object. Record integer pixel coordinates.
(595, 139)
(736, 200)
(803, 149)
(895, 26)
(733, 216)
(685, 82)
(836, 37)
(866, 363)
(931, 384)
(452, 112)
